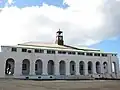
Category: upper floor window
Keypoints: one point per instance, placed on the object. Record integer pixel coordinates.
(61, 52)
(50, 52)
(72, 53)
(39, 51)
(81, 53)
(114, 54)
(29, 51)
(96, 54)
(104, 55)
(89, 54)
(14, 50)
(36, 50)
(24, 50)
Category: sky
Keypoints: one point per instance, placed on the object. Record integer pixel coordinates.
(92, 23)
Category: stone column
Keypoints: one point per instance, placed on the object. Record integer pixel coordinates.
(101, 68)
(18, 68)
(86, 68)
(56, 67)
(94, 67)
(77, 68)
(32, 64)
(67, 67)
(45, 63)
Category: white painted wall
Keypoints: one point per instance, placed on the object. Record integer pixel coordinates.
(20, 56)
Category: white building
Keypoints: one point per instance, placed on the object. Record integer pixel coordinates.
(56, 61)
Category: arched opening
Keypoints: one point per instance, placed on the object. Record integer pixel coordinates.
(90, 67)
(25, 67)
(81, 68)
(113, 67)
(50, 67)
(38, 67)
(9, 67)
(105, 67)
(98, 68)
(62, 68)
(72, 68)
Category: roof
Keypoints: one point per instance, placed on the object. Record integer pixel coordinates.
(48, 45)
(51, 46)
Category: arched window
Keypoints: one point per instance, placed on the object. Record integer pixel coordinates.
(25, 67)
(90, 67)
(38, 67)
(113, 67)
(105, 67)
(81, 68)
(50, 67)
(72, 68)
(62, 68)
(9, 67)
(98, 67)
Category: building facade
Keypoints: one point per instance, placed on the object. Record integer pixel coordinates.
(33, 60)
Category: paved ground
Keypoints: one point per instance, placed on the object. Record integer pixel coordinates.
(58, 85)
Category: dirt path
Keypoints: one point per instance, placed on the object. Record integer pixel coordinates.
(58, 85)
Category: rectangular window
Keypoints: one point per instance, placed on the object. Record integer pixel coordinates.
(41, 51)
(24, 67)
(29, 51)
(73, 68)
(53, 52)
(36, 67)
(14, 50)
(89, 54)
(73, 53)
(61, 52)
(104, 55)
(64, 52)
(81, 53)
(96, 54)
(50, 52)
(36, 50)
(24, 50)
(69, 52)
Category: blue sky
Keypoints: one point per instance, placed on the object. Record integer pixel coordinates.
(23, 3)
(106, 45)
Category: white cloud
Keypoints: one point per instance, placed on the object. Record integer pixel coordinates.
(10, 2)
(84, 22)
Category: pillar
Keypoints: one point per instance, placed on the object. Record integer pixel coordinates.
(101, 68)
(56, 67)
(94, 67)
(45, 64)
(32, 67)
(86, 68)
(67, 67)
(77, 68)
(18, 68)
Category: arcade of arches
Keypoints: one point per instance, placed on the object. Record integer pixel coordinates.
(10, 66)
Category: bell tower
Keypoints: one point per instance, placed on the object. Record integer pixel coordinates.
(59, 37)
